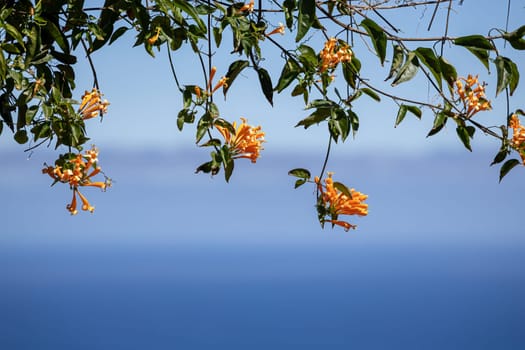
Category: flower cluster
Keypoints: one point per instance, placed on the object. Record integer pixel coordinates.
(333, 202)
(92, 105)
(246, 142)
(518, 136)
(78, 172)
(333, 53)
(472, 94)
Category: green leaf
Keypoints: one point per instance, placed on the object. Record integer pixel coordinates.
(305, 18)
(343, 189)
(117, 34)
(300, 182)
(500, 157)
(429, 59)
(515, 38)
(288, 8)
(190, 10)
(266, 84)
(448, 72)
(506, 167)
(21, 136)
(321, 114)
(58, 36)
(397, 61)
(507, 74)
(308, 57)
(227, 162)
(464, 135)
(482, 55)
(233, 71)
(408, 70)
(476, 41)
(403, 109)
(288, 74)
(354, 120)
(439, 122)
(371, 93)
(13, 32)
(378, 37)
(300, 173)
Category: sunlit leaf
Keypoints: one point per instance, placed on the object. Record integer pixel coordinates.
(408, 70)
(300, 173)
(306, 17)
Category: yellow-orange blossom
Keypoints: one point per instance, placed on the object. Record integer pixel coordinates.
(337, 203)
(518, 136)
(246, 142)
(78, 172)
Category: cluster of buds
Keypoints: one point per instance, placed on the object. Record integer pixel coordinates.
(333, 53)
(246, 142)
(518, 136)
(472, 94)
(332, 203)
(78, 172)
(92, 104)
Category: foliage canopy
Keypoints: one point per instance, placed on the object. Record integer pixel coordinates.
(41, 43)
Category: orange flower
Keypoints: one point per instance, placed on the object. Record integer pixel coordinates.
(246, 142)
(92, 105)
(333, 53)
(78, 172)
(278, 30)
(155, 37)
(335, 203)
(472, 95)
(518, 136)
(248, 7)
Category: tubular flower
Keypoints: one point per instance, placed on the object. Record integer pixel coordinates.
(92, 104)
(333, 203)
(518, 136)
(155, 37)
(278, 30)
(78, 172)
(472, 94)
(248, 7)
(246, 142)
(333, 53)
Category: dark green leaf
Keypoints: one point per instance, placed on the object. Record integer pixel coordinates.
(506, 167)
(21, 136)
(316, 117)
(233, 71)
(378, 37)
(371, 93)
(299, 182)
(306, 17)
(464, 136)
(190, 10)
(343, 189)
(448, 71)
(500, 157)
(117, 34)
(439, 122)
(266, 84)
(475, 41)
(300, 173)
(429, 59)
(227, 161)
(289, 73)
(482, 55)
(58, 36)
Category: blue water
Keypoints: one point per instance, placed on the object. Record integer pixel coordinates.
(262, 297)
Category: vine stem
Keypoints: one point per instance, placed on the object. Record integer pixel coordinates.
(91, 65)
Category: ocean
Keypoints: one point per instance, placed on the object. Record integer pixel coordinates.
(262, 297)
